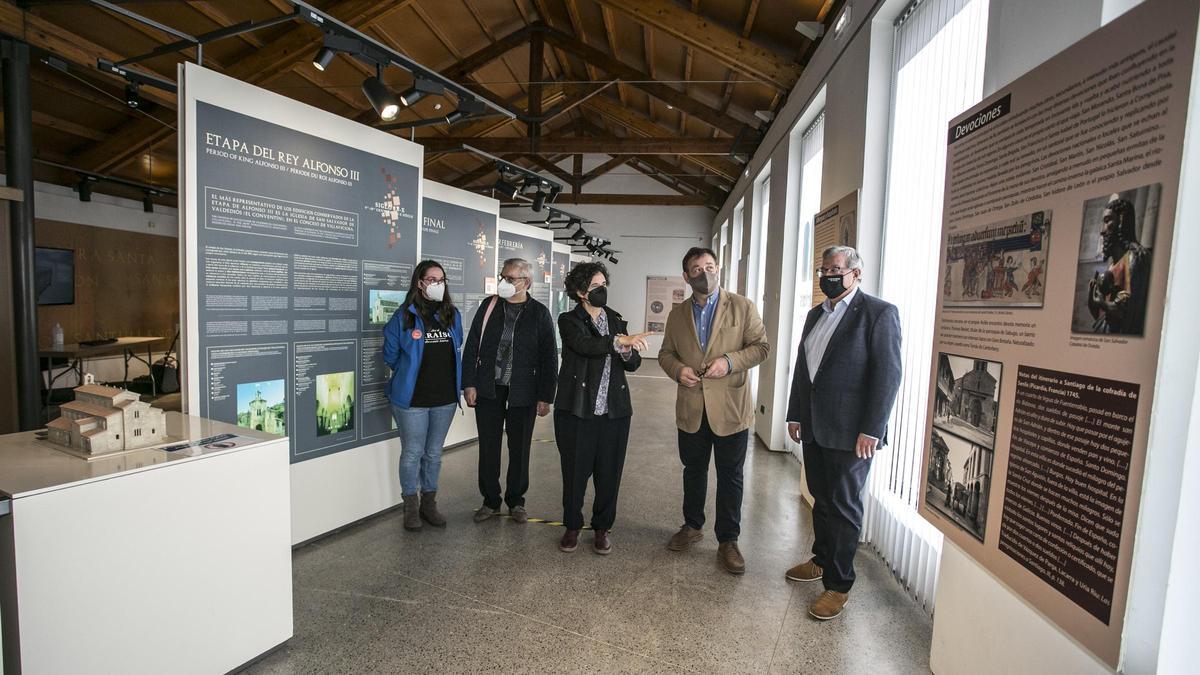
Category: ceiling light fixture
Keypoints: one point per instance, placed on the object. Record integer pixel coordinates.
(380, 96)
(539, 200)
(133, 96)
(420, 87)
(843, 20)
(84, 188)
(466, 108)
(810, 29)
(147, 204)
(506, 189)
(323, 58)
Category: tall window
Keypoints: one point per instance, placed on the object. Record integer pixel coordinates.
(812, 152)
(735, 247)
(937, 73)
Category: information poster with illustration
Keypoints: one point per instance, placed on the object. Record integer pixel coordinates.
(459, 231)
(302, 248)
(662, 294)
(835, 225)
(533, 244)
(1058, 222)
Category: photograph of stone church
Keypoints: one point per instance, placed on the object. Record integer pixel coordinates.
(967, 398)
(261, 407)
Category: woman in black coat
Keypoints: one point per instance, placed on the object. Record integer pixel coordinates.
(592, 410)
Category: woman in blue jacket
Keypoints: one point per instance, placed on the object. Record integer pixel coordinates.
(422, 344)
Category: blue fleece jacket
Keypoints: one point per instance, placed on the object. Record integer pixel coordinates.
(402, 351)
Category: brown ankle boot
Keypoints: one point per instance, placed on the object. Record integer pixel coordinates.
(412, 517)
(429, 510)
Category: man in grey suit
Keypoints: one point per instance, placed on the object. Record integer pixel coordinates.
(845, 383)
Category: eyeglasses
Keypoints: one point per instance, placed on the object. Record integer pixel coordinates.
(512, 280)
(832, 271)
(433, 280)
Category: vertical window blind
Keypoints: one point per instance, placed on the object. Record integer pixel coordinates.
(812, 153)
(937, 73)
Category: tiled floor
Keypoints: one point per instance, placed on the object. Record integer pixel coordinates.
(500, 597)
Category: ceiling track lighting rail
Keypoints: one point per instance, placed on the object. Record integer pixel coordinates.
(534, 187)
(87, 179)
(342, 38)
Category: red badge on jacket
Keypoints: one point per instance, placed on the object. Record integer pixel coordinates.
(416, 334)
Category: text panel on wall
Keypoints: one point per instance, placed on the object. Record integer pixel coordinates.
(1057, 229)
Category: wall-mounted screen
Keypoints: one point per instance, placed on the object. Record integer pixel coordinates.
(54, 270)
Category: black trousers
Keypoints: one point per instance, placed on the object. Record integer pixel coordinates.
(493, 416)
(729, 453)
(591, 448)
(836, 479)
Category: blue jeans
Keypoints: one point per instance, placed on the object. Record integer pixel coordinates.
(422, 433)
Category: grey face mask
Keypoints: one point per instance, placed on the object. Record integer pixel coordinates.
(703, 283)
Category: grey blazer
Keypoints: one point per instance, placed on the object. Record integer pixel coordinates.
(855, 386)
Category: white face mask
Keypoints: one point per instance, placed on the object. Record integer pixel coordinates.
(436, 292)
(505, 289)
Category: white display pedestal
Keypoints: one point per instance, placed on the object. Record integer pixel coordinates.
(151, 562)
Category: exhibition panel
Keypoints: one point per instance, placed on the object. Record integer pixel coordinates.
(107, 561)
(533, 244)
(1060, 201)
(459, 231)
(299, 227)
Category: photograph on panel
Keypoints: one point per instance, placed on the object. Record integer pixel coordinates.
(1116, 251)
(261, 406)
(1001, 264)
(335, 403)
(967, 397)
(959, 480)
(961, 444)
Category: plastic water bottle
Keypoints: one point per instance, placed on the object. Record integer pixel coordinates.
(57, 335)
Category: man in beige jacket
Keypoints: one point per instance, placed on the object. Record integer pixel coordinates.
(710, 344)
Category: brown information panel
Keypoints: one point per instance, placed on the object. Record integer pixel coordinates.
(1058, 220)
(1068, 469)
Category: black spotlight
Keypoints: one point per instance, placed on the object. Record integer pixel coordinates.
(380, 96)
(466, 108)
(539, 200)
(323, 58)
(133, 97)
(419, 89)
(84, 187)
(508, 190)
(147, 204)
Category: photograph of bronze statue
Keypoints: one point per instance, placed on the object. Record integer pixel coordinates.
(1115, 254)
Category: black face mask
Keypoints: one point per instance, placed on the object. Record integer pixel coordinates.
(832, 286)
(598, 297)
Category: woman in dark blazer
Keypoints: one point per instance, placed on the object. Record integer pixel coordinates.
(592, 410)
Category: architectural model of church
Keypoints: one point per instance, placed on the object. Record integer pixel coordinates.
(106, 419)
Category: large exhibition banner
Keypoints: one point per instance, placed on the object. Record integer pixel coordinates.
(298, 249)
(1060, 201)
(458, 229)
(533, 244)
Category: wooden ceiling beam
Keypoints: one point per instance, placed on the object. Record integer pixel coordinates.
(662, 168)
(53, 38)
(639, 124)
(723, 44)
(642, 81)
(548, 165)
(82, 131)
(634, 199)
(610, 145)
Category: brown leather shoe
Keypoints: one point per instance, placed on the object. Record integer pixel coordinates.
(731, 558)
(569, 541)
(828, 606)
(684, 538)
(601, 543)
(806, 571)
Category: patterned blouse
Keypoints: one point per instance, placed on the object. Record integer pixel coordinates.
(601, 324)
